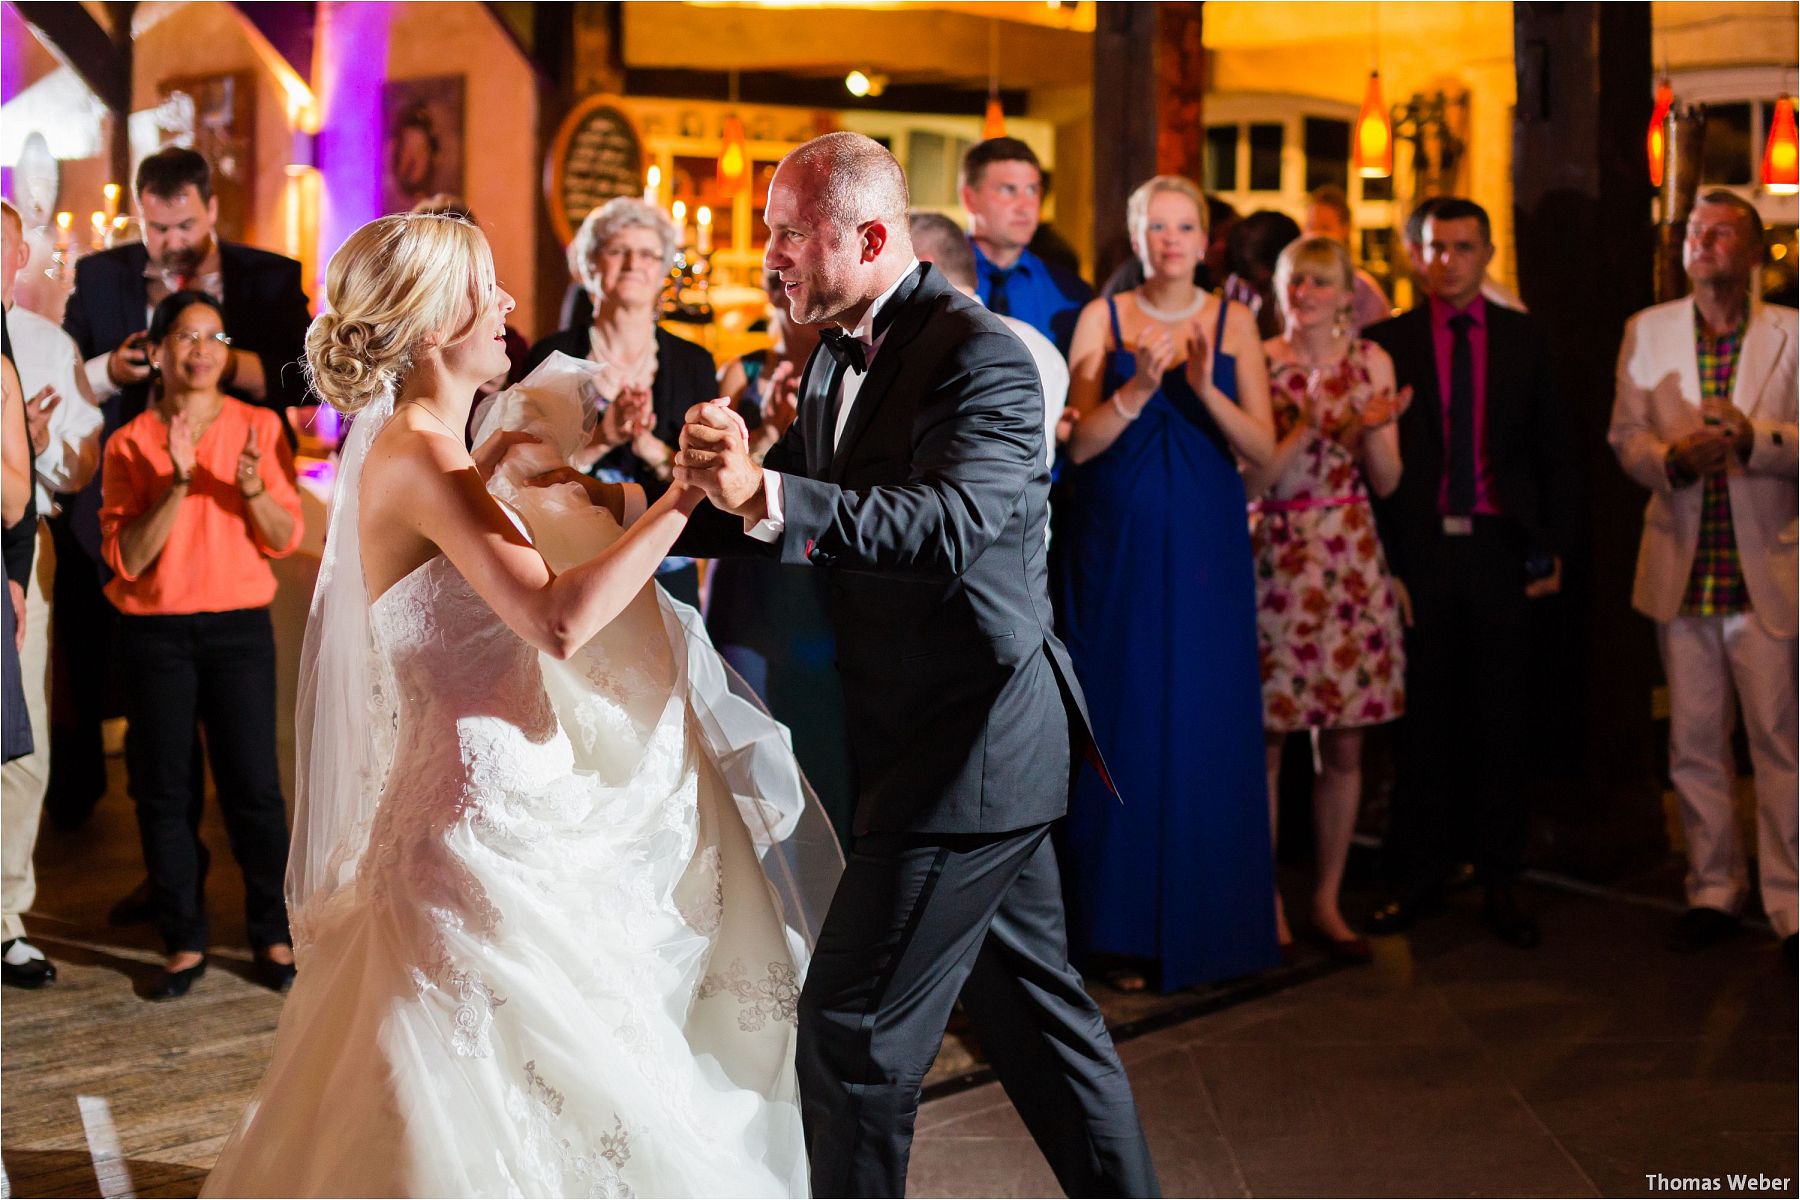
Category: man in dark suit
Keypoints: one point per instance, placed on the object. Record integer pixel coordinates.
(1474, 533)
(916, 471)
(266, 317)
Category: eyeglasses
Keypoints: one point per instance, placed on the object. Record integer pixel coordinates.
(193, 337)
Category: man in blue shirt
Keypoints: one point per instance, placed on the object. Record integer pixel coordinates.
(1003, 191)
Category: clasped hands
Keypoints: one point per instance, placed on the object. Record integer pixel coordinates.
(1707, 451)
(715, 458)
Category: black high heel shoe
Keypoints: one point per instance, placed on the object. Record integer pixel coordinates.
(276, 976)
(172, 985)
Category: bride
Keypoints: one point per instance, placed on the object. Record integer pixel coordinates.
(554, 878)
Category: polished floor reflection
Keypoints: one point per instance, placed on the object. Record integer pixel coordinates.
(1452, 1066)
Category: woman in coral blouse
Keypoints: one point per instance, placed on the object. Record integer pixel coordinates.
(198, 497)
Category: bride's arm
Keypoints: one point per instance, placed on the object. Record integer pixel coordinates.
(558, 614)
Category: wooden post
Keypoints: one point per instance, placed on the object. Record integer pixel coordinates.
(1181, 90)
(1125, 119)
(1585, 252)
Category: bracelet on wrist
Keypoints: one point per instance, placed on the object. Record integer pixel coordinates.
(253, 495)
(1127, 414)
(183, 480)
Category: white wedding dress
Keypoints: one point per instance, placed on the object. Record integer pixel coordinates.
(567, 960)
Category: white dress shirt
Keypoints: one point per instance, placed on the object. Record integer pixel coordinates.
(45, 354)
(1053, 375)
(769, 528)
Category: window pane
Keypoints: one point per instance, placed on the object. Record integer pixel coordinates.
(1327, 152)
(1726, 158)
(1221, 158)
(1265, 158)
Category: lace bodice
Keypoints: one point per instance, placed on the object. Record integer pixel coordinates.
(451, 665)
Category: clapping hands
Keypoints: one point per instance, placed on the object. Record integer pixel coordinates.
(249, 469)
(1154, 354)
(1381, 410)
(1199, 368)
(780, 406)
(1386, 406)
(181, 447)
(37, 416)
(629, 418)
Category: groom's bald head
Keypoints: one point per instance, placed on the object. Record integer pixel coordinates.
(852, 180)
(837, 227)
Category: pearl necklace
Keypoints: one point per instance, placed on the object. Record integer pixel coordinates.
(1171, 318)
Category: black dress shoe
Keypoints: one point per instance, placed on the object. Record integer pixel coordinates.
(1398, 916)
(1700, 927)
(172, 985)
(24, 965)
(1501, 913)
(276, 976)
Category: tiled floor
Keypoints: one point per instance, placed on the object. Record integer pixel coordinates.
(1453, 1066)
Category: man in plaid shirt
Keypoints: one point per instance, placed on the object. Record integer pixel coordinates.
(1704, 416)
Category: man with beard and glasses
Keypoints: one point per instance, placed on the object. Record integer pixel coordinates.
(265, 311)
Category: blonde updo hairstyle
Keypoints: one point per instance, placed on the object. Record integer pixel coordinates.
(1137, 211)
(1320, 254)
(391, 289)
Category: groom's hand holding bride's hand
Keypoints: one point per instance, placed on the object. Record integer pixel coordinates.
(715, 457)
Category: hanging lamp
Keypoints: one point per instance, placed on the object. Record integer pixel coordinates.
(993, 124)
(1781, 158)
(734, 153)
(1372, 152)
(1656, 141)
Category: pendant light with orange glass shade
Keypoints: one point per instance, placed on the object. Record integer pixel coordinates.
(1372, 149)
(734, 152)
(993, 125)
(1781, 157)
(1656, 142)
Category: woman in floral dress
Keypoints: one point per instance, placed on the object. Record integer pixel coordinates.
(1328, 619)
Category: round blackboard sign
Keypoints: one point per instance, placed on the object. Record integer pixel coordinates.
(597, 155)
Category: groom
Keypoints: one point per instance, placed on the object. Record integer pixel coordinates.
(915, 470)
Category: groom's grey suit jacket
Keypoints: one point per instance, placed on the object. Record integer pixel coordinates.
(960, 701)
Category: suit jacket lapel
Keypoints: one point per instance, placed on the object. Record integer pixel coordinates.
(1426, 397)
(1763, 342)
(1687, 354)
(906, 325)
(815, 411)
(1502, 382)
(231, 282)
(134, 297)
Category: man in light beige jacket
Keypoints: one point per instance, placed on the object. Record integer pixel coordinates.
(1704, 417)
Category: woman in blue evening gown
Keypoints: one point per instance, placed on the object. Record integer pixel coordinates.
(1159, 605)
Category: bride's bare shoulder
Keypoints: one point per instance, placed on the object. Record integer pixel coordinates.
(409, 453)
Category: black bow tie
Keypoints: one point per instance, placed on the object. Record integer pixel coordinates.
(848, 350)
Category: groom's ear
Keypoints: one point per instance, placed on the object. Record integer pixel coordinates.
(874, 239)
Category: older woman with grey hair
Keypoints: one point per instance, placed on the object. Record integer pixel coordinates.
(621, 257)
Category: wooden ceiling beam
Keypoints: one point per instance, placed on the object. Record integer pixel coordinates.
(102, 62)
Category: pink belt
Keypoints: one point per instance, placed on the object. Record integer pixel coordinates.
(1286, 506)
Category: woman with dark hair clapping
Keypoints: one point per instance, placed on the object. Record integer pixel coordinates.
(198, 496)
